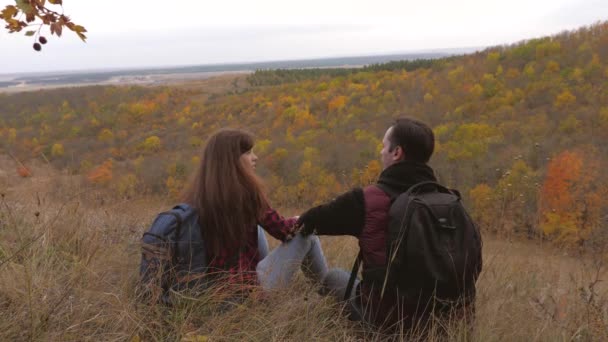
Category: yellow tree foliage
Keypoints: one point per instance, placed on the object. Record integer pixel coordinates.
(603, 119)
(174, 186)
(564, 99)
(303, 118)
(516, 194)
(428, 98)
(138, 110)
(94, 122)
(529, 70)
(370, 173)
(195, 141)
(151, 144)
(499, 70)
(471, 141)
(337, 103)
(577, 75)
(316, 184)
(195, 161)
(261, 146)
(57, 150)
(482, 205)
(105, 135)
(512, 73)
(476, 90)
(455, 75)
(552, 67)
(569, 125)
(85, 166)
(127, 185)
(547, 48)
(12, 135)
(594, 66)
(493, 57)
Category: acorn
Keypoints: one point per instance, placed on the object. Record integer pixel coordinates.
(42, 40)
(37, 47)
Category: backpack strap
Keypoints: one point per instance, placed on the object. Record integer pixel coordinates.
(183, 207)
(353, 276)
(392, 193)
(440, 187)
(178, 228)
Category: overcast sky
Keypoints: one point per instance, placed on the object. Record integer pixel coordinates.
(143, 33)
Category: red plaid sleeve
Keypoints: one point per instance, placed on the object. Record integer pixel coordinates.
(276, 225)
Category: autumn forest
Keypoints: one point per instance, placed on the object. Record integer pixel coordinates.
(522, 132)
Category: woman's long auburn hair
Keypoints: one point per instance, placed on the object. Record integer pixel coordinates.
(228, 195)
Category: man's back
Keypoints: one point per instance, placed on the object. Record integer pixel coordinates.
(407, 147)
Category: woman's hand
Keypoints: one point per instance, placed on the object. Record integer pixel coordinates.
(295, 229)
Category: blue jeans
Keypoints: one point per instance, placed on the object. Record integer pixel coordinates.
(277, 268)
(335, 284)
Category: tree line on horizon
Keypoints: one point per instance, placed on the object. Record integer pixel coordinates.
(270, 77)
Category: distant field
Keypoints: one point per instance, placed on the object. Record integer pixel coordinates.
(147, 80)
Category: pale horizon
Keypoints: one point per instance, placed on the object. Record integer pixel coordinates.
(126, 35)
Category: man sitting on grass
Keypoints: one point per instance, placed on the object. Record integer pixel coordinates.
(435, 268)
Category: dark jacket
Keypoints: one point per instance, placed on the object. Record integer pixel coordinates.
(363, 213)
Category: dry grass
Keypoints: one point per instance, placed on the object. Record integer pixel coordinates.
(69, 272)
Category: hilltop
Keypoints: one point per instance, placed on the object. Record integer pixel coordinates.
(69, 265)
(522, 131)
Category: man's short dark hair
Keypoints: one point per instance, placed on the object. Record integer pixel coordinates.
(415, 138)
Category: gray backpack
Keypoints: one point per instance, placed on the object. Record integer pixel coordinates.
(173, 254)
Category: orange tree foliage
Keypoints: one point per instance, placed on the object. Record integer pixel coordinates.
(23, 171)
(571, 197)
(101, 174)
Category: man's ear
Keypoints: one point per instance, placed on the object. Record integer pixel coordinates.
(398, 153)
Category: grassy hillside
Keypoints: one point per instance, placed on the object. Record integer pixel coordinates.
(68, 270)
(521, 130)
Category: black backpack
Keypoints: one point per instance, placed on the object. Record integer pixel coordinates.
(433, 250)
(173, 254)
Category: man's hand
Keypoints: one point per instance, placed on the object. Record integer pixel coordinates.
(299, 228)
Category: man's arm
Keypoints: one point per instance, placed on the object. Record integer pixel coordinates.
(345, 215)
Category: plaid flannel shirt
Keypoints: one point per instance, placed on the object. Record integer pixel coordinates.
(238, 265)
